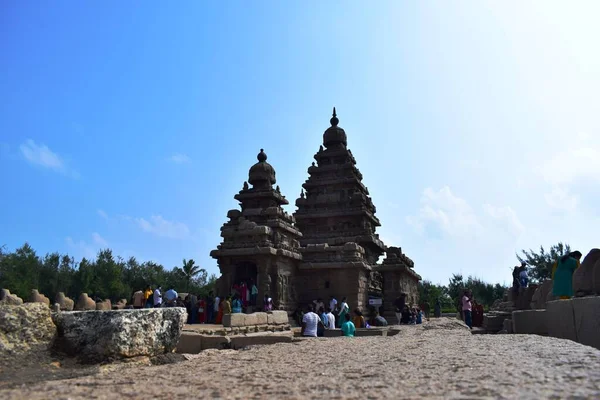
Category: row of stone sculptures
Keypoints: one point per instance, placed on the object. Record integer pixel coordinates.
(62, 302)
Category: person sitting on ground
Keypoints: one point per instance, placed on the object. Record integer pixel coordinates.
(378, 320)
(348, 328)
(310, 323)
(562, 285)
(358, 320)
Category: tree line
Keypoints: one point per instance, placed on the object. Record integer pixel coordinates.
(539, 266)
(106, 277)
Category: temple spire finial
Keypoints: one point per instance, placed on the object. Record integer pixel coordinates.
(334, 120)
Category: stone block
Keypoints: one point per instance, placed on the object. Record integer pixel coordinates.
(508, 326)
(280, 317)
(6, 297)
(25, 327)
(332, 332)
(65, 303)
(250, 320)
(238, 342)
(215, 342)
(104, 305)
(189, 343)
(393, 331)
(261, 318)
(587, 320)
(84, 303)
(370, 332)
(234, 320)
(529, 322)
(538, 301)
(37, 297)
(96, 336)
(560, 319)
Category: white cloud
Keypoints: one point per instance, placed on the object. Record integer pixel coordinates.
(102, 214)
(505, 215)
(450, 213)
(40, 154)
(164, 228)
(180, 159)
(99, 240)
(561, 199)
(82, 248)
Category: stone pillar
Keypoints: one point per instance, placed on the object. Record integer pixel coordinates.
(264, 281)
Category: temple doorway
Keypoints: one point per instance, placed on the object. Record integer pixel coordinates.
(244, 277)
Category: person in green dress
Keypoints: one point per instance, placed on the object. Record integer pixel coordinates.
(348, 327)
(344, 309)
(562, 285)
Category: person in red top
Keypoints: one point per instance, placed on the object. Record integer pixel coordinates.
(201, 311)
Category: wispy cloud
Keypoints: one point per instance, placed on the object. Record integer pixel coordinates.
(159, 226)
(505, 215)
(86, 249)
(179, 158)
(451, 214)
(561, 199)
(102, 213)
(41, 155)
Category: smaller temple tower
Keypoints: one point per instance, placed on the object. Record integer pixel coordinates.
(260, 243)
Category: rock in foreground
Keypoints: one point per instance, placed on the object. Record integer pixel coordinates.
(25, 327)
(96, 336)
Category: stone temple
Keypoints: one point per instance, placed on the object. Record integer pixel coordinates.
(328, 247)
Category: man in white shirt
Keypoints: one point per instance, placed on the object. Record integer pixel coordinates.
(157, 297)
(330, 319)
(310, 322)
(332, 304)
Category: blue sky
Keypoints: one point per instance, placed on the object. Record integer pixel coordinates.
(131, 125)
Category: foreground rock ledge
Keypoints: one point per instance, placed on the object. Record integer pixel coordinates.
(96, 336)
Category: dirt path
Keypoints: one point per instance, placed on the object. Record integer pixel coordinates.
(437, 360)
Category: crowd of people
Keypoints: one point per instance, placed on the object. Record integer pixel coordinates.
(317, 318)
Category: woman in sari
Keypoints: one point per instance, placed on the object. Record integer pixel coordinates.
(562, 285)
(344, 309)
(219, 319)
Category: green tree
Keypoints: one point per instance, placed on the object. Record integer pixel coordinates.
(190, 271)
(541, 263)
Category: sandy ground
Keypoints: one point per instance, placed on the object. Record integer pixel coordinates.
(437, 360)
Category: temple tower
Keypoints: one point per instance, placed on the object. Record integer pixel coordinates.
(260, 242)
(337, 219)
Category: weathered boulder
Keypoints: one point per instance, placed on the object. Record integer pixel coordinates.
(65, 303)
(120, 305)
(84, 303)
(523, 299)
(105, 335)
(538, 301)
(583, 283)
(37, 297)
(25, 327)
(560, 319)
(103, 305)
(596, 277)
(6, 297)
